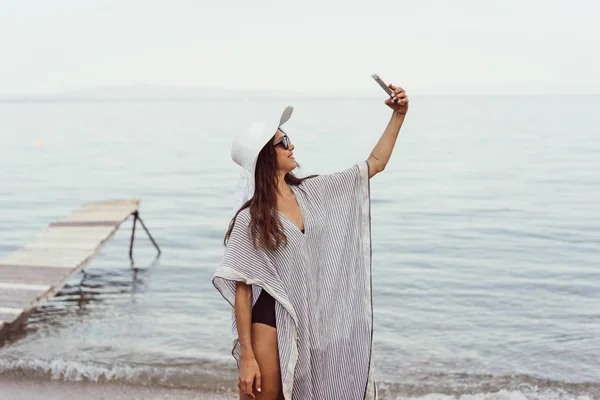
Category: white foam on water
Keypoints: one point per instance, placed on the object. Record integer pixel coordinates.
(542, 394)
(190, 375)
(74, 370)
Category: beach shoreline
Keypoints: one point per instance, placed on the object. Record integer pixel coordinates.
(19, 388)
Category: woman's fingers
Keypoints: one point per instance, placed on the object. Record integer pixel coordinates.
(398, 100)
(249, 389)
(245, 387)
(399, 96)
(257, 383)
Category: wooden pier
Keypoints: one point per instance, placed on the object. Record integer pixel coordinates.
(35, 273)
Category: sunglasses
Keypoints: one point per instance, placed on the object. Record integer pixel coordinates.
(285, 141)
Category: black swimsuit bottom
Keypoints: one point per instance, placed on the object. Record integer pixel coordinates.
(263, 311)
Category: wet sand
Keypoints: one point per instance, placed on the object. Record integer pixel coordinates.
(14, 388)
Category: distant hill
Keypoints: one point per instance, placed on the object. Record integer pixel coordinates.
(151, 92)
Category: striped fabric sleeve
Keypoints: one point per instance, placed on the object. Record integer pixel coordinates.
(241, 262)
(339, 184)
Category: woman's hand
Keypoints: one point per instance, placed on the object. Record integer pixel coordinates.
(399, 101)
(249, 376)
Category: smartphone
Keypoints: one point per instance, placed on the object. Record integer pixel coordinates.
(382, 84)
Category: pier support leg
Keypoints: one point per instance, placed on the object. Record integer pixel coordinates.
(136, 216)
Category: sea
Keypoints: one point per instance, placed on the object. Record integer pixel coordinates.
(485, 230)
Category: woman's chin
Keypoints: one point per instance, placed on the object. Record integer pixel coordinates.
(292, 165)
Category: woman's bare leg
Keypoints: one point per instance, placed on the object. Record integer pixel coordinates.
(266, 352)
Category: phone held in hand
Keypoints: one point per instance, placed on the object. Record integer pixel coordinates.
(382, 84)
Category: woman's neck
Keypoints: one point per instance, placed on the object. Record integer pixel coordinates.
(283, 189)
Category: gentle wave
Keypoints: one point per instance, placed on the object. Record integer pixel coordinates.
(208, 376)
(216, 377)
(444, 386)
(502, 395)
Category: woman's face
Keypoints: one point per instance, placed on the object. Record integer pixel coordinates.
(285, 158)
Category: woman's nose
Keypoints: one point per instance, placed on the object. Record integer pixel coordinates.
(292, 147)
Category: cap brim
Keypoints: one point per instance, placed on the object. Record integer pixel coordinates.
(286, 115)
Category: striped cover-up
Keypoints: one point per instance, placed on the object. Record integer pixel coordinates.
(321, 281)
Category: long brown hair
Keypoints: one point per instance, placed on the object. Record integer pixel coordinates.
(265, 225)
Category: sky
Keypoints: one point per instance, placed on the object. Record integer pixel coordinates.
(318, 47)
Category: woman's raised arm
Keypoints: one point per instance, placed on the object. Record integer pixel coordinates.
(382, 151)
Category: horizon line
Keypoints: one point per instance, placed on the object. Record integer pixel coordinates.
(48, 99)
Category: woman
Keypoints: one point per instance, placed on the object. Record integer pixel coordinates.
(297, 269)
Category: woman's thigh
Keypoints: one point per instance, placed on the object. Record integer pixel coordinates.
(266, 352)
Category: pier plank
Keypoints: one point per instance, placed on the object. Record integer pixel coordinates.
(52, 256)
(19, 295)
(31, 274)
